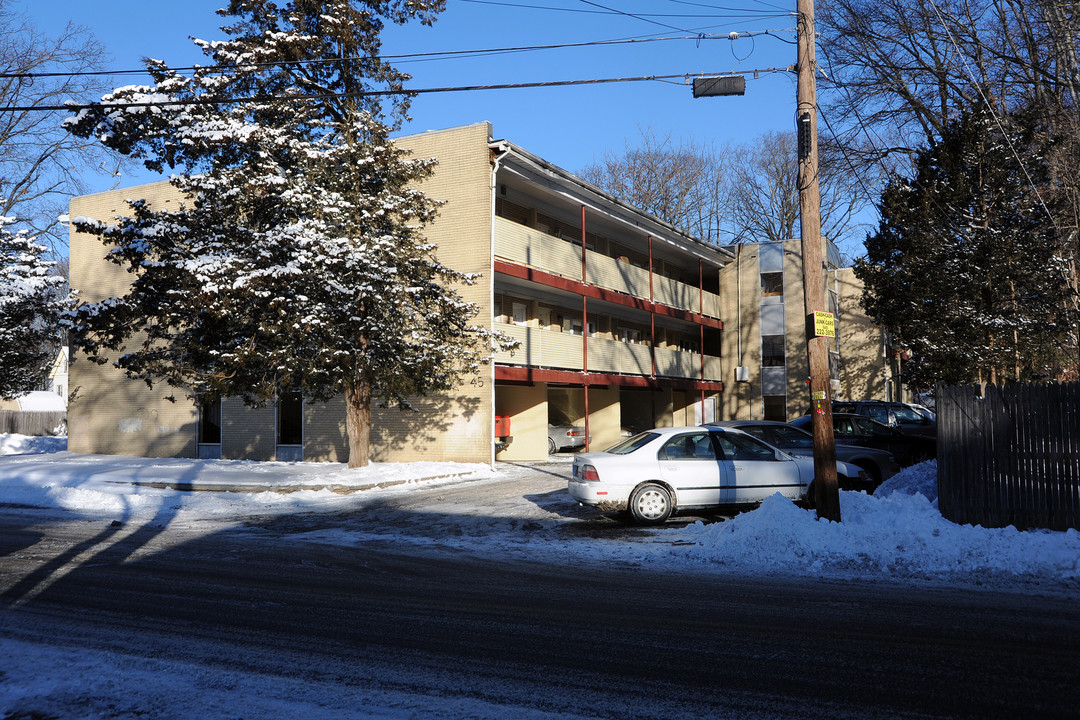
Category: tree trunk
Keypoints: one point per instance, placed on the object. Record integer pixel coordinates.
(358, 421)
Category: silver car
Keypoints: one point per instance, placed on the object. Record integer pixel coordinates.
(661, 471)
(563, 434)
(880, 465)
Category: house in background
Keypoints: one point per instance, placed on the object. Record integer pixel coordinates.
(765, 335)
(618, 315)
(57, 379)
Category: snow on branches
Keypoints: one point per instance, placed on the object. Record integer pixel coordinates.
(32, 297)
(297, 260)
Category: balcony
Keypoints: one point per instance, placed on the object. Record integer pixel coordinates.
(541, 348)
(517, 243)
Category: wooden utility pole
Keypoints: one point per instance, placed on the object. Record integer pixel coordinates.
(819, 321)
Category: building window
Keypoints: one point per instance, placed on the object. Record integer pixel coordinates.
(689, 346)
(290, 419)
(521, 313)
(630, 335)
(573, 326)
(775, 407)
(210, 421)
(772, 284)
(772, 351)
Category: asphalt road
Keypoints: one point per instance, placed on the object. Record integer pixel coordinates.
(448, 624)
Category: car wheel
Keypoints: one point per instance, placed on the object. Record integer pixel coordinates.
(551, 447)
(811, 497)
(650, 504)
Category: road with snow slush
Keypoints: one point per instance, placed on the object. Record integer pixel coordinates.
(377, 626)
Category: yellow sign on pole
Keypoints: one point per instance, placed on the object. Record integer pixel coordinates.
(824, 324)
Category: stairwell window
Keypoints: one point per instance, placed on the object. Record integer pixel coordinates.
(772, 284)
(772, 351)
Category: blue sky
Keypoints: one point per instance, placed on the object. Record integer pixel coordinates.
(569, 126)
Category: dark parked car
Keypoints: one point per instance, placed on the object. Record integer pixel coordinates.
(894, 414)
(880, 465)
(859, 430)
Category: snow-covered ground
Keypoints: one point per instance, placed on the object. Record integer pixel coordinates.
(896, 534)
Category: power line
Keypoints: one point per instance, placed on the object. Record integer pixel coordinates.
(731, 9)
(381, 93)
(645, 18)
(737, 12)
(431, 55)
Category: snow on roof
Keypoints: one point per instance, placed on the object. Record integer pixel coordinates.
(41, 401)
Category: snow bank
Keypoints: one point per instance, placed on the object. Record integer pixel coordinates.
(895, 534)
(11, 444)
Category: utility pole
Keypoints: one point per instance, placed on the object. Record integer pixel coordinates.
(819, 321)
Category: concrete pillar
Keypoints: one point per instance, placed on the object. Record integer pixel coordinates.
(664, 408)
(526, 407)
(605, 417)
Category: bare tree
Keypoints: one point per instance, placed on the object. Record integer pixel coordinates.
(898, 72)
(763, 198)
(682, 182)
(739, 193)
(41, 164)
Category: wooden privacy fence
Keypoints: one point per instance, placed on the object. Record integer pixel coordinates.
(31, 423)
(1010, 455)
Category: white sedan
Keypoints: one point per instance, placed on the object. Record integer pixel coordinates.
(661, 471)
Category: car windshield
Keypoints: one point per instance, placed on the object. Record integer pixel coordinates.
(789, 437)
(558, 418)
(631, 444)
(869, 427)
(878, 412)
(908, 414)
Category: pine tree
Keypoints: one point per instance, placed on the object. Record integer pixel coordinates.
(298, 261)
(31, 301)
(965, 268)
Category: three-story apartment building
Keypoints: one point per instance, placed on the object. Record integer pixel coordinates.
(765, 337)
(617, 314)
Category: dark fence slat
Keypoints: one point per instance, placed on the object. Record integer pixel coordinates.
(1010, 455)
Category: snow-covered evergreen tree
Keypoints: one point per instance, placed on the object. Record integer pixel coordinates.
(31, 301)
(298, 262)
(966, 269)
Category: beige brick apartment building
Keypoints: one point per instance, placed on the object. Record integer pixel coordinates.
(765, 335)
(618, 314)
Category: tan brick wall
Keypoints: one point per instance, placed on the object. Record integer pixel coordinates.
(798, 366)
(457, 425)
(247, 433)
(605, 417)
(110, 413)
(115, 415)
(741, 339)
(324, 431)
(862, 367)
